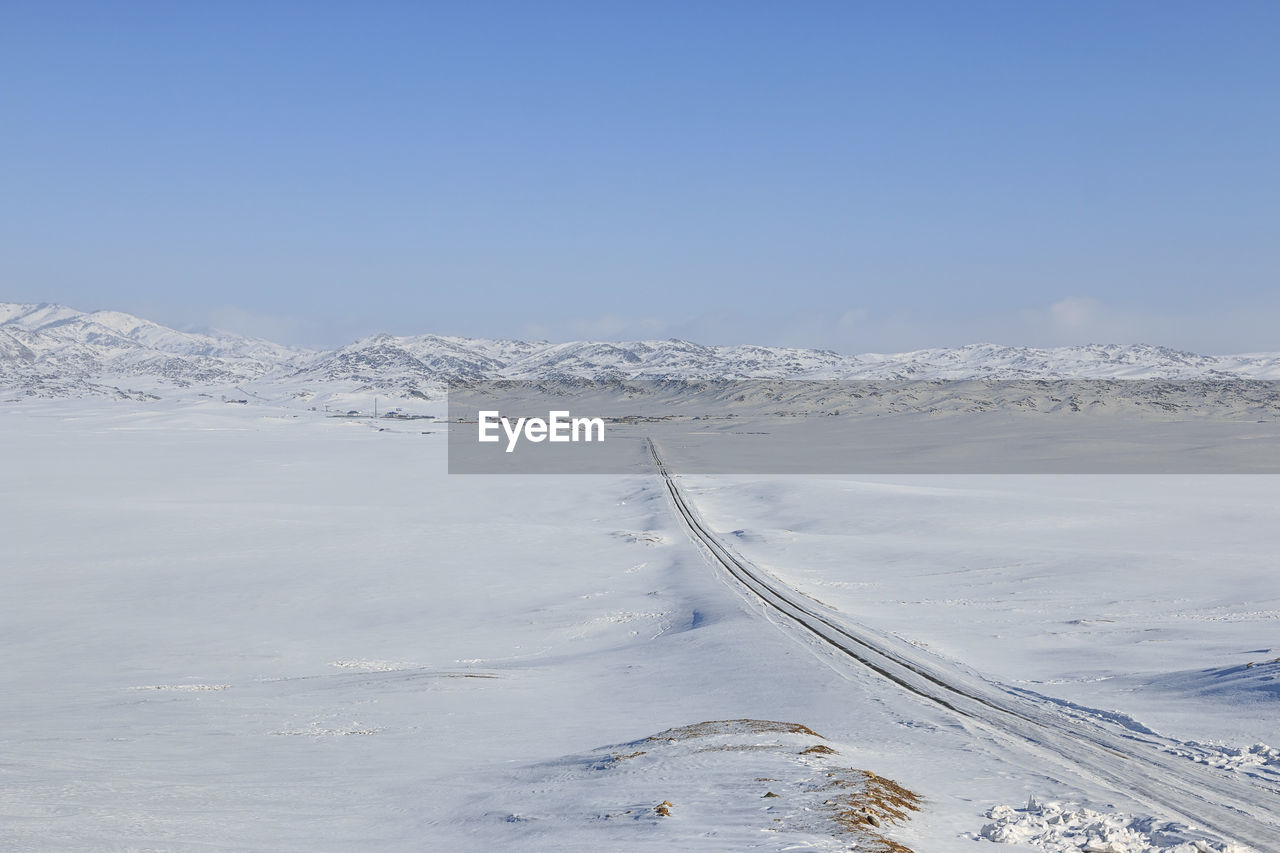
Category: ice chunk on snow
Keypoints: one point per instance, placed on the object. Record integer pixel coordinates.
(1056, 828)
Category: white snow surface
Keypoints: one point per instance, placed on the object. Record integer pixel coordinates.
(1057, 829)
(1149, 600)
(258, 628)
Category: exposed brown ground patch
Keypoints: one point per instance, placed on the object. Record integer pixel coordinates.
(860, 806)
(877, 802)
(729, 727)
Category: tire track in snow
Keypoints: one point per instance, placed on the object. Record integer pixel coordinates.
(1227, 805)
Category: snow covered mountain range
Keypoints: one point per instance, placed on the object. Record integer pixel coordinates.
(55, 351)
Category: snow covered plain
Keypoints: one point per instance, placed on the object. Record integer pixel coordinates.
(258, 628)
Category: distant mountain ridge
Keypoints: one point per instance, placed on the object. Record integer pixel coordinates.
(51, 350)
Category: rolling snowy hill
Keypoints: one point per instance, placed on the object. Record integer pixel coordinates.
(55, 351)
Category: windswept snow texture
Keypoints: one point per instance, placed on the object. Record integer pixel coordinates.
(259, 628)
(1146, 605)
(1151, 597)
(54, 351)
(246, 628)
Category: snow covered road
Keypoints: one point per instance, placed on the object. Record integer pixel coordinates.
(1139, 764)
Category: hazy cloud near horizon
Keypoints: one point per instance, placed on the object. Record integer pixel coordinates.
(1069, 321)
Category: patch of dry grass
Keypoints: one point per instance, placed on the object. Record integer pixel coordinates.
(860, 806)
(874, 802)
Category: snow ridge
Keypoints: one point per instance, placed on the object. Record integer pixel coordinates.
(53, 350)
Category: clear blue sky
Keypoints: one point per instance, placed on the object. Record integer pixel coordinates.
(854, 175)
